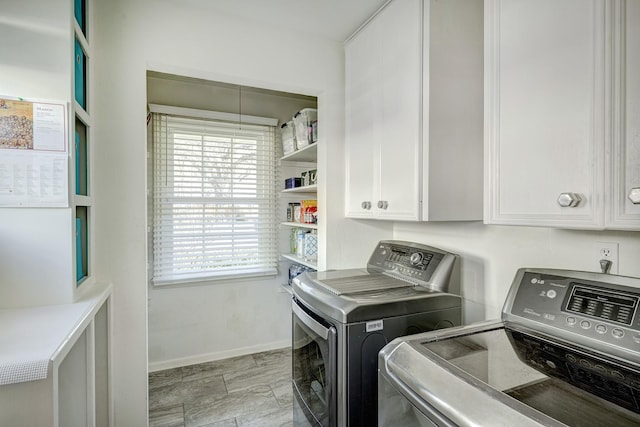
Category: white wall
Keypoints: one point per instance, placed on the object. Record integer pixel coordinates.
(133, 37)
(490, 255)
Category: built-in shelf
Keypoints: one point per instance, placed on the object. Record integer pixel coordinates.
(82, 143)
(304, 189)
(300, 261)
(299, 225)
(306, 154)
(58, 354)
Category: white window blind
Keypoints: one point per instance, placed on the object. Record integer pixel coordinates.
(214, 199)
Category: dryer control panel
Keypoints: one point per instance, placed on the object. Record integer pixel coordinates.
(418, 264)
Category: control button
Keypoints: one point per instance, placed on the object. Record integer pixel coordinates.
(617, 333)
(601, 369)
(585, 363)
(585, 324)
(551, 293)
(571, 320)
(617, 374)
(551, 364)
(571, 358)
(601, 329)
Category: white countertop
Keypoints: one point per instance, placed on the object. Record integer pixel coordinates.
(33, 339)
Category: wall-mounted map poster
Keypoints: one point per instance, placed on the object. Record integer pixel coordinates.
(16, 124)
(33, 154)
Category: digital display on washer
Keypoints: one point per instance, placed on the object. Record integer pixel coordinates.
(603, 304)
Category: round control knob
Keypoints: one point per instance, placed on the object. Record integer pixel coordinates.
(551, 294)
(634, 195)
(569, 200)
(416, 258)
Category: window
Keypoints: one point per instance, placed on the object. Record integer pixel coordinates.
(214, 196)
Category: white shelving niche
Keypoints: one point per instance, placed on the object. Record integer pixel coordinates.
(292, 165)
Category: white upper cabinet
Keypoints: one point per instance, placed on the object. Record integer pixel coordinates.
(623, 188)
(361, 91)
(414, 113)
(551, 106)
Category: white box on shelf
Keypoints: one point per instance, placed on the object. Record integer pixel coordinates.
(303, 124)
(287, 131)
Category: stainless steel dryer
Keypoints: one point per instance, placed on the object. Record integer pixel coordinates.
(566, 353)
(341, 320)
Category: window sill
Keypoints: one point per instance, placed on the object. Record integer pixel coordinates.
(209, 278)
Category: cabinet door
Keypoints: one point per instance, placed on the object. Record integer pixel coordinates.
(400, 50)
(624, 171)
(544, 111)
(362, 88)
(383, 96)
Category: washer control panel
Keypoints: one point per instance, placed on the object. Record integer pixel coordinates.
(595, 306)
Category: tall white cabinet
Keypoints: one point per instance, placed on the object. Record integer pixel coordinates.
(414, 113)
(561, 144)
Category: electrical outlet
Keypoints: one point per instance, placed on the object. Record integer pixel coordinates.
(607, 251)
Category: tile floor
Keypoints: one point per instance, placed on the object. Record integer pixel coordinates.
(244, 391)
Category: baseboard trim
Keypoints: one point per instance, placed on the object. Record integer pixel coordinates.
(210, 357)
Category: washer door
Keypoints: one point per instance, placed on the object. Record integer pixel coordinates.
(314, 369)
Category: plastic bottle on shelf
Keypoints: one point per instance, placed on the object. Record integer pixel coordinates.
(300, 243)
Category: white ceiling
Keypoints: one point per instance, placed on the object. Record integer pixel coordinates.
(330, 19)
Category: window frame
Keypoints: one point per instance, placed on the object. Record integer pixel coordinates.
(265, 182)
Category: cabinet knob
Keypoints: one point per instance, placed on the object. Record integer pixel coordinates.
(383, 204)
(569, 200)
(366, 205)
(634, 195)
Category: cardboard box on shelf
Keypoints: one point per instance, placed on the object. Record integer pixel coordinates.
(309, 211)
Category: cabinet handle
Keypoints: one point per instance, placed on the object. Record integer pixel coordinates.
(569, 200)
(634, 195)
(366, 205)
(383, 204)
